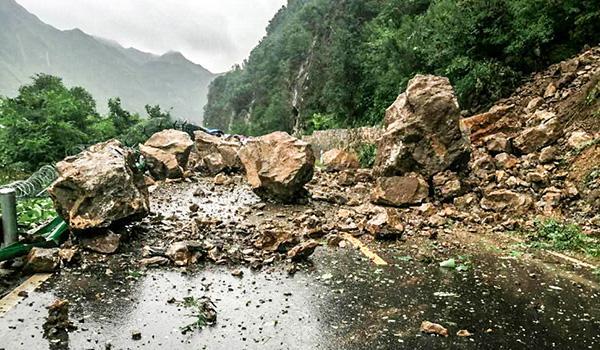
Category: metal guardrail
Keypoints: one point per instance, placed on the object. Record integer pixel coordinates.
(8, 202)
(34, 186)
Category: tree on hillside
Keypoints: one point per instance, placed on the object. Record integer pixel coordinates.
(45, 122)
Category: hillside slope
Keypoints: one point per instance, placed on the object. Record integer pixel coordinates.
(29, 46)
(326, 63)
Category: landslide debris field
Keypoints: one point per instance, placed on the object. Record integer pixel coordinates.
(337, 299)
(478, 232)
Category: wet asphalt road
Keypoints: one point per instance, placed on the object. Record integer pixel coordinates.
(339, 301)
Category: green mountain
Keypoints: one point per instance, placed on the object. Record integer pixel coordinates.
(106, 69)
(339, 63)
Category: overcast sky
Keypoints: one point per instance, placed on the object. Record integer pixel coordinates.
(214, 33)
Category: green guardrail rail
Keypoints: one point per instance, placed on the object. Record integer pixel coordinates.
(47, 236)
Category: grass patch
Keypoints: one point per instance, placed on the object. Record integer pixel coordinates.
(366, 154)
(560, 236)
(203, 313)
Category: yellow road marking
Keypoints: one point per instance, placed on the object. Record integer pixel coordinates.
(570, 259)
(364, 249)
(13, 298)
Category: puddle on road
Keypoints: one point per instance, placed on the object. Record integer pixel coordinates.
(342, 302)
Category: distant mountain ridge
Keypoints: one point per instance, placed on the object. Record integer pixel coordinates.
(101, 66)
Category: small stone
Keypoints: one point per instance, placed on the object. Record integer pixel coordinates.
(463, 333)
(433, 328)
(136, 335)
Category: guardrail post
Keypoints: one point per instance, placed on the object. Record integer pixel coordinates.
(8, 202)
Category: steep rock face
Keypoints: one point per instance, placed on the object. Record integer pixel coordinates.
(212, 154)
(167, 153)
(99, 186)
(278, 166)
(422, 131)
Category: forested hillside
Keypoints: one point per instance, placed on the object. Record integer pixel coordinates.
(329, 63)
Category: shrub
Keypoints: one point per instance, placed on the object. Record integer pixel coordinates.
(366, 154)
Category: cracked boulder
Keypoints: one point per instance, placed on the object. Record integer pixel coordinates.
(167, 153)
(213, 155)
(422, 132)
(99, 186)
(278, 166)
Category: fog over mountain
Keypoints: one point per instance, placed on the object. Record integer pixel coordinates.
(103, 67)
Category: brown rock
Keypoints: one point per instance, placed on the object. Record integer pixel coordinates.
(42, 260)
(489, 123)
(104, 243)
(303, 250)
(502, 200)
(212, 154)
(422, 131)
(386, 224)
(447, 185)
(548, 154)
(534, 104)
(161, 165)
(433, 328)
(99, 186)
(278, 166)
(154, 261)
(167, 153)
(535, 138)
(497, 143)
(179, 253)
(505, 161)
(400, 191)
(578, 139)
(550, 90)
(338, 160)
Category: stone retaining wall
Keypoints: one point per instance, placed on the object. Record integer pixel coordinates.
(325, 140)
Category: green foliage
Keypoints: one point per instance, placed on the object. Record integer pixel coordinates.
(366, 154)
(558, 235)
(48, 121)
(33, 212)
(203, 312)
(348, 60)
(320, 121)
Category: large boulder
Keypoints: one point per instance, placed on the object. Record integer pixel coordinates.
(212, 154)
(99, 186)
(422, 133)
(278, 166)
(167, 153)
(400, 191)
(338, 160)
